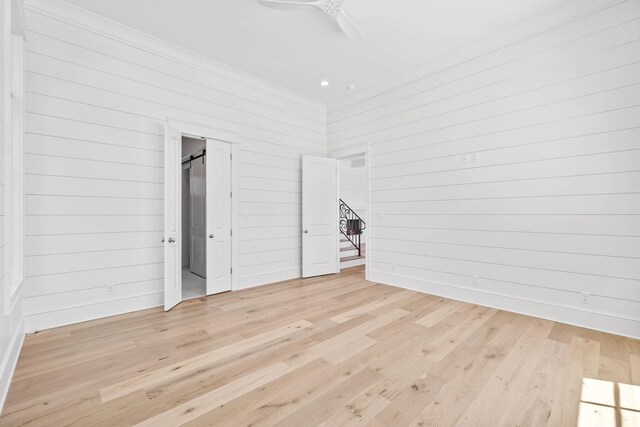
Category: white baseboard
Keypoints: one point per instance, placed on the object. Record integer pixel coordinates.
(85, 312)
(69, 315)
(9, 362)
(601, 321)
(269, 277)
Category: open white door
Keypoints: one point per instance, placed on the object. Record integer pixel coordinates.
(198, 220)
(319, 216)
(172, 217)
(218, 216)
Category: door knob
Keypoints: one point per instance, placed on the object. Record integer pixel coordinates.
(172, 240)
(163, 240)
(211, 236)
(306, 231)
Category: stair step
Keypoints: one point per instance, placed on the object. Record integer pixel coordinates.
(351, 244)
(352, 247)
(352, 250)
(351, 258)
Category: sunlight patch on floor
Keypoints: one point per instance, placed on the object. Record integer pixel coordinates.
(608, 404)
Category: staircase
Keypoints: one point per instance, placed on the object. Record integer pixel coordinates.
(352, 249)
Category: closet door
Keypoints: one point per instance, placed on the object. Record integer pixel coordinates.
(198, 220)
(218, 211)
(172, 217)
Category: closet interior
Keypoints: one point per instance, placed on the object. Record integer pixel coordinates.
(194, 248)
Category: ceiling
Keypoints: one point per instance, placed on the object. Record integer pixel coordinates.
(298, 49)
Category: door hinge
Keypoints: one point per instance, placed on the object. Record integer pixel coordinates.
(231, 156)
(231, 194)
(231, 270)
(231, 232)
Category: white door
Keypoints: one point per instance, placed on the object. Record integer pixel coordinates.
(172, 217)
(319, 216)
(198, 220)
(218, 216)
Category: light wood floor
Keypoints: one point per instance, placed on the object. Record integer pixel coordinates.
(329, 351)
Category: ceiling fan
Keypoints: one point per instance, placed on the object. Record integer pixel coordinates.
(332, 8)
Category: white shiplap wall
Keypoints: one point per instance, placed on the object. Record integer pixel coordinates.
(97, 98)
(516, 160)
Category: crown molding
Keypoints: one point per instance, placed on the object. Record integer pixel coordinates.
(106, 27)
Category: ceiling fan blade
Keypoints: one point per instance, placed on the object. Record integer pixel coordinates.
(349, 27)
(290, 4)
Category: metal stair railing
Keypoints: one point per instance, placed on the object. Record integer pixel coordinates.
(351, 226)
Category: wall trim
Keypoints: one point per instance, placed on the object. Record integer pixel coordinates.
(600, 321)
(97, 310)
(14, 173)
(10, 360)
(269, 277)
(85, 312)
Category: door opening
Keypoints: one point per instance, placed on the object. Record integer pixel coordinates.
(354, 172)
(354, 201)
(194, 195)
(198, 212)
(335, 211)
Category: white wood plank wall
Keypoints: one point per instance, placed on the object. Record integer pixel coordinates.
(96, 102)
(515, 160)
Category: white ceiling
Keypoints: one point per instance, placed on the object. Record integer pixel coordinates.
(297, 49)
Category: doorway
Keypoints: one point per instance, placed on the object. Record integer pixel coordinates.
(194, 198)
(354, 172)
(335, 211)
(353, 184)
(198, 212)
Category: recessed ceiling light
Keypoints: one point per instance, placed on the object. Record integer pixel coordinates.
(351, 87)
(324, 83)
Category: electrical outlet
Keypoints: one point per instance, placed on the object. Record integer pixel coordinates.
(109, 289)
(585, 298)
(465, 159)
(475, 280)
(473, 157)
